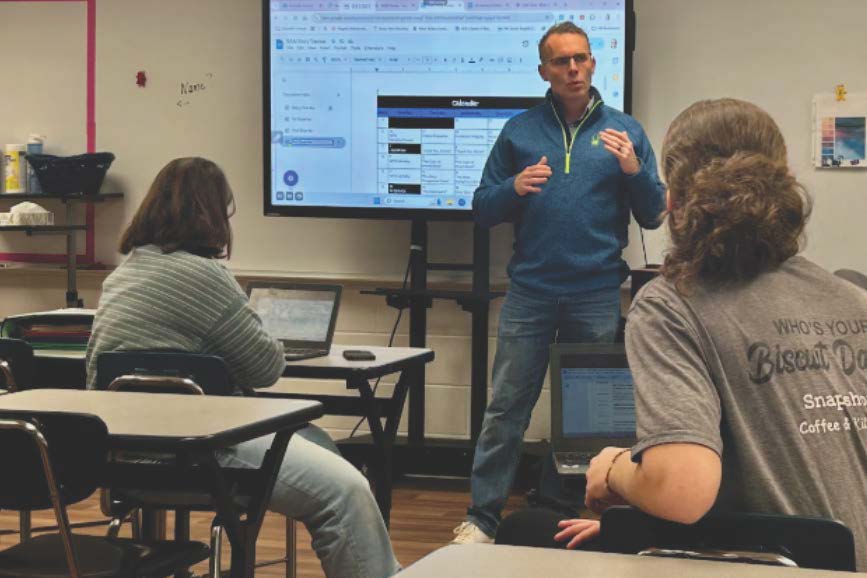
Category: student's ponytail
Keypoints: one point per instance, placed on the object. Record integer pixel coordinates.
(735, 208)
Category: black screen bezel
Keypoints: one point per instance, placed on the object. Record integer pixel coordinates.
(271, 210)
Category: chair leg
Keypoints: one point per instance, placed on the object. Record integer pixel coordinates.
(216, 551)
(24, 525)
(291, 553)
(182, 525)
(153, 524)
(114, 527)
(135, 524)
(182, 534)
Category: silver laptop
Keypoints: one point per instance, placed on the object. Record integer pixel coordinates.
(301, 316)
(592, 403)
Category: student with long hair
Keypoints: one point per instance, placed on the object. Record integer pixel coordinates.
(172, 292)
(749, 361)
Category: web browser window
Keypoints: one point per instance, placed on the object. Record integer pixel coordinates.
(598, 402)
(396, 103)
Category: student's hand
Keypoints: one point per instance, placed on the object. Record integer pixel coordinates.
(531, 179)
(618, 143)
(598, 496)
(576, 531)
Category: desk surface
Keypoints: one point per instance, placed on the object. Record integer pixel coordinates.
(334, 366)
(474, 560)
(385, 357)
(59, 354)
(165, 421)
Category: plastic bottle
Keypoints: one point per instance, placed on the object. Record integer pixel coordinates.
(15, 168)
(34, 147)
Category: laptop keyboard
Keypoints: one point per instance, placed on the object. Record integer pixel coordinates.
(293, 354)
(568, 459)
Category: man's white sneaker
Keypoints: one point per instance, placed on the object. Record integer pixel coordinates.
(469, 533)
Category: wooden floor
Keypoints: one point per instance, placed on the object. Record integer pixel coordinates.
(424, 513)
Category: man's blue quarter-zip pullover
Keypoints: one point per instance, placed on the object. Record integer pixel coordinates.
(569, 238)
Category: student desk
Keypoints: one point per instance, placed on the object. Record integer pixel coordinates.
(191, 426)
(357, 374)
(473, 560)
(58, 369)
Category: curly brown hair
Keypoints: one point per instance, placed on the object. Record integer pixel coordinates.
(735, 209)
(187, 208)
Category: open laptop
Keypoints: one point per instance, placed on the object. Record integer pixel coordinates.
(301, 316)
(592, 403)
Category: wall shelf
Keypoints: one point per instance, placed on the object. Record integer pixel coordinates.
(69, 230)
(45, 229)
(78, 197)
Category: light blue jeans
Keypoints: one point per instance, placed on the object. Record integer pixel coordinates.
(528, 326)
(319, 488)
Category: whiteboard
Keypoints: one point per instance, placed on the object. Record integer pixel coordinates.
(215, 47)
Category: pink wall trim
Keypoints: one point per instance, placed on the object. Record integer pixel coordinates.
(90, 238)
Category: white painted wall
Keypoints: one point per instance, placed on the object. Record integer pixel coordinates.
(777, 54)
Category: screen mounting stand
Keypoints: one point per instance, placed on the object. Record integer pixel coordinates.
(418, 298)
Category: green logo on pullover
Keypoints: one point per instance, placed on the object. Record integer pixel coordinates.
(595, 140)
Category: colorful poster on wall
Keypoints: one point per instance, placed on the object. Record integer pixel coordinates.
(840, 131)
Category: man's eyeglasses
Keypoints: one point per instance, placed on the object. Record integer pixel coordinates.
(563, 61)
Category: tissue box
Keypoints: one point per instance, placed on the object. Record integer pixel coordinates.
(30, 214)
(32, 219)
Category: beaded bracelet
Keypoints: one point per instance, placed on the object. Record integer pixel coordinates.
(611, 467)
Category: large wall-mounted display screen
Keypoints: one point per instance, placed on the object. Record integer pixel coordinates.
(388, 108)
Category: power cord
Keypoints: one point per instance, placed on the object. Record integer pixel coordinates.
(643, 246)
(393, 331)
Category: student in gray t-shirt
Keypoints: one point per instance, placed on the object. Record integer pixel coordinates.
(750, 363)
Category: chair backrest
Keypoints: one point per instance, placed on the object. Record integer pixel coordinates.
(207, 371)
(810, 542)
(77, 448)
(859, 279)
(16, 357)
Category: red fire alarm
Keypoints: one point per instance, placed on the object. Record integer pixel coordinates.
(141, 79)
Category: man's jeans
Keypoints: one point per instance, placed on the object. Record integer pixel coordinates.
(528, 326)
(319, 488)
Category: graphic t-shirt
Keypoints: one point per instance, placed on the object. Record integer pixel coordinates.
(771, 375)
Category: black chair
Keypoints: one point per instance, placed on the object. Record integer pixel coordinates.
(60, 460)
(16, 364)
(17, 371)
(852, 276)
(16, 368)
(182, 373)
(164, 371)
(757, 538)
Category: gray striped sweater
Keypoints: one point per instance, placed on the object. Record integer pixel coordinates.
(182, 302)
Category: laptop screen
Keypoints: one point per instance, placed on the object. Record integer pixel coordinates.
(592, 404)
(296, 315)
(597, 402)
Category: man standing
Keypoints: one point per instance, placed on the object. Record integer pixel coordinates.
(567, 173)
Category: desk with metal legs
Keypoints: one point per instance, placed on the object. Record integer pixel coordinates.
(407, 361)
(389, 360)
(194, 427)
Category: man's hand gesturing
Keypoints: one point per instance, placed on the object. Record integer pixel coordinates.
(531, 179)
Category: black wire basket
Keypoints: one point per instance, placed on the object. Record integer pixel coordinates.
(75, 175)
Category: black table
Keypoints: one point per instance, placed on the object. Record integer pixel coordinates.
(194, 427)
(357, 374)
